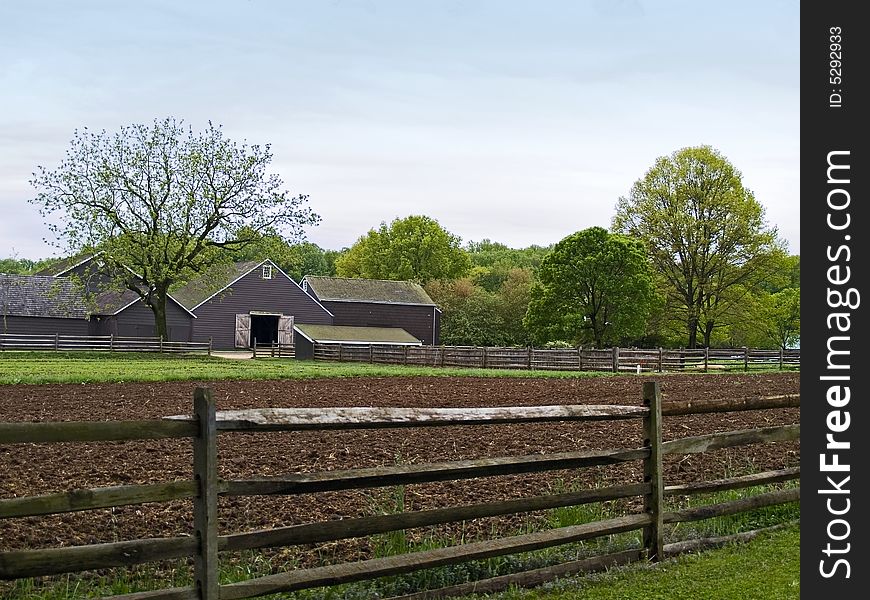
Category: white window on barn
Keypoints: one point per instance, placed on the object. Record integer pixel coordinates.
(267, 271)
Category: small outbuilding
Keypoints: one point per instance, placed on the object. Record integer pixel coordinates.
(378, 303)
(78, 299)
(309, 335)
(42, 305)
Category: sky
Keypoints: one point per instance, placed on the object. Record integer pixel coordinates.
(520, 122)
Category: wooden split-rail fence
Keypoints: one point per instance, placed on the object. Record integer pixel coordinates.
(633, 360)
(98, 343)
(204, 488)
(273, 350)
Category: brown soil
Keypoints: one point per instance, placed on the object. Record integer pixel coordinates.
(33, 469)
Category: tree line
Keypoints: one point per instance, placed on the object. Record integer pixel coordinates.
(688, 259)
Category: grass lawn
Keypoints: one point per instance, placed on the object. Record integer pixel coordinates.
(105, 367)
(767, 568)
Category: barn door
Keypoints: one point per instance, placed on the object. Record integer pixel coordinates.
(243, 331)
(285, 331)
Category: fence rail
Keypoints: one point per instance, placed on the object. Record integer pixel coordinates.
(273, 350)
(564, 359)
(205, 487)
(98, 343)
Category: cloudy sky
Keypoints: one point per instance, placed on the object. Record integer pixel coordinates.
(517, 121)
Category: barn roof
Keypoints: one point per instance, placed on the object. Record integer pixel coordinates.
(110, 302)
(41, 296)
(212, 282)
(357, 335)
(343, 289)
(60, 297)
(64, 265)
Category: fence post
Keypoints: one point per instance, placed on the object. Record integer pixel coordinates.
(442, 355)
(371, 354)
(205, 565)
(340, 354)
(529, 359)
(579, 358)
(485, 358)
(706, 358)
(653, 539)
(745, 358)
(615, 359)
(405, 355)
(781, 357)
(209, 345)
(57, 343)
(254, 348)
(661, 357)
(161, 344)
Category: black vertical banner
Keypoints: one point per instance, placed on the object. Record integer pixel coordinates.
(835, 419)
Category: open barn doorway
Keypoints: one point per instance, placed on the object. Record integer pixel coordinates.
(264, 329)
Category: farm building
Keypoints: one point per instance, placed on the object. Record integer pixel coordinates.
(308, 335)
(239, 303)
(34, 304)
(378, 303)
(77, 299)
(235, 305)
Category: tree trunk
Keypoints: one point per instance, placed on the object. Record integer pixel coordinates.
(708, 333)
(158, 307)
(693, 332)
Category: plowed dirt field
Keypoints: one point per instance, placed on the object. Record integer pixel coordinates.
(33, 469)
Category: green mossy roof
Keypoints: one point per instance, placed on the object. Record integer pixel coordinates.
(366, 335)
(368, 290)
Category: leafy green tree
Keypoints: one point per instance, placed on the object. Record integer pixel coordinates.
(22, 266)
(492, 261)
(311, 259)
(166, 202)
(782, 271)
(705, 233)
(415, 248)
(737, 317)
(593, 286)
(764, 320)
(264, 244)
(781, 317)
(474, 316)
(470, 314)
(297, 260)
(512, 303)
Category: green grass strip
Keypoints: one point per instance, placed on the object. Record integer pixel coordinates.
(105, 367)
(767, 568)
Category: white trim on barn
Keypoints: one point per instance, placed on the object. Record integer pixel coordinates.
(78, 264)
(120, 310)
(168, 295)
